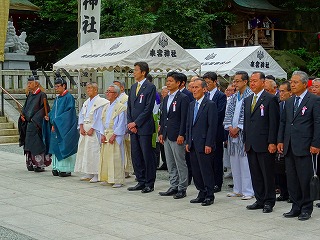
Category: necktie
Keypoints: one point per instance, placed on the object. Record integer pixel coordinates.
(195, 111)
(296, 105)
(254, 102)
(138, 88)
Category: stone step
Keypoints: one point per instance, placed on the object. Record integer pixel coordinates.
(3, 119)
(6, 125)
(8, 132)
(9, 139)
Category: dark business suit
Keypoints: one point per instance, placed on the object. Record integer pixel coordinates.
(298, 132)
(280, 173)
(140, 111)
(221, 101)
(260, 130)
(189, 94)
(191, 99)
(202, 133)
(173, 124)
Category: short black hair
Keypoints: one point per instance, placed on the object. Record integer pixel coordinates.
(271, 77)
(262, 76)
(144, 67)
(244, 75)
(287, 83)
(149, 77)
(176, 76)
(211, 76)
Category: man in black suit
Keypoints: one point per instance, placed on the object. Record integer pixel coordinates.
(141, 126)
(281, 177)
(191, 99)
(298, 139)
(172, 136)
(221, 101)
(183, 87)
(202, 125)
(261, 123)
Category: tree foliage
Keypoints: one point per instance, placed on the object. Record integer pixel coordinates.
(190, 23)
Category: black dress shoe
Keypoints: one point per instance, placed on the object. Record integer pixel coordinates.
(254, 206)
(137, 187)
(30, 168)
(38, 169)
(147, 190)
(169, 192)
(291, 214)
(267, 209)
(197, 200)
(55, 172)
(304, 216)
(207, 202)
(163, 167)
(64, 174)
(216, 189)
(282, 198)
(318, 205)
(180, 194)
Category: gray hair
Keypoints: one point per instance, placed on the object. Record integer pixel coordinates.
(93, 84)
(316, 80)
(164, 87)
(122, 83)
(272, 82)
(203, 83)
(303, 76)
(116, 88)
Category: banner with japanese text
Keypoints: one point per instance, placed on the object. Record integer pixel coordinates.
(4, 14)
(89, 20)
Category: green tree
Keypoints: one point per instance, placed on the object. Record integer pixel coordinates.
(193, 24)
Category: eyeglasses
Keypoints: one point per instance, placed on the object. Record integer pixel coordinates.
(57, 86)
(237, 81)
(109, 91)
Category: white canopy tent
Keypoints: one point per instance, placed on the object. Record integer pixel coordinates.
(227, 61)
(157, 49)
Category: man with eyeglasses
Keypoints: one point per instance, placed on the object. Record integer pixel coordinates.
(123, 98)
(233, 122)
(214, 94)
(112, 129)
(62, 132)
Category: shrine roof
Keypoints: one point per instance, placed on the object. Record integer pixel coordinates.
(23, 5)
(256, 5)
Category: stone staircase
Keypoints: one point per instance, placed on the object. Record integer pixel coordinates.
(8, 134)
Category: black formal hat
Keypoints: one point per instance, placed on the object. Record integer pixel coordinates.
(59, 79)
(34, 76)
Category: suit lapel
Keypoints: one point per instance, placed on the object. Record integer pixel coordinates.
(165, 102)
(302, 104)
(214, 98)
(144, 85)
(259, 102)
(175, 99)
(203, 104)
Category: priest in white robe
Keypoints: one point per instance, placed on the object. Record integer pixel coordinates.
(113, 129)
(88, 155)
(123, 98)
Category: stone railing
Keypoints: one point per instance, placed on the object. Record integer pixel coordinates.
(15, 81)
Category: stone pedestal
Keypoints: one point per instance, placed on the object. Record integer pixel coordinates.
(17, 61)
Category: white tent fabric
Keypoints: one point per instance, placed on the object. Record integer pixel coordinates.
(227, 61)
(157, 49)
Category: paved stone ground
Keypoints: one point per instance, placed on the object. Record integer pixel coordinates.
(40, 206)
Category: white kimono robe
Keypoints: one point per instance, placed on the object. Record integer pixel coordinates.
(88, 155)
